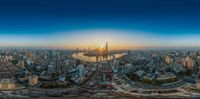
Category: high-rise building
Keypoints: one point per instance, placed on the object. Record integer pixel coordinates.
(189, 62)
(106, 50)
(21, 64)
(168, 60)
(198, 53)
(81, 72)
(30, 54)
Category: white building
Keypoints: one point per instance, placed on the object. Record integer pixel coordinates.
(8, 58)
(29, 61)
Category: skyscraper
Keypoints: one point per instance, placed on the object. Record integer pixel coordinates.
(106, 50)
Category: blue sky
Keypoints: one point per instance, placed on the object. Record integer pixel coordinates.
(140, 22)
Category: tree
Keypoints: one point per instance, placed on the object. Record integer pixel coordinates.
(14, 62)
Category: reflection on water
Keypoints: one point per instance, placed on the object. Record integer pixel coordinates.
(82, 57)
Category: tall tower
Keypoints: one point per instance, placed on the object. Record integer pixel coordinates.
(106, 50)
(97, 55)
(77, 51)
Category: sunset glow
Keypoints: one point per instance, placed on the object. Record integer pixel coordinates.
(138, 25)
(95, 38)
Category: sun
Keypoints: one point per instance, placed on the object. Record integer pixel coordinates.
(102, 44)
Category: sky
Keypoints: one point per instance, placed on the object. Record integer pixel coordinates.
(125, 24)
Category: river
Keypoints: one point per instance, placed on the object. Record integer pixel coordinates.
(82, 57)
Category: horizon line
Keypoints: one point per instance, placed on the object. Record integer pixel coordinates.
(135, 48)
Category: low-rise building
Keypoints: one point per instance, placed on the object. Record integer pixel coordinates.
(33, 79)
(198, 84)
(7, 81)
(140, 73)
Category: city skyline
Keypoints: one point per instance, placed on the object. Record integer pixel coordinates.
(81, 24)
(90, 49)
